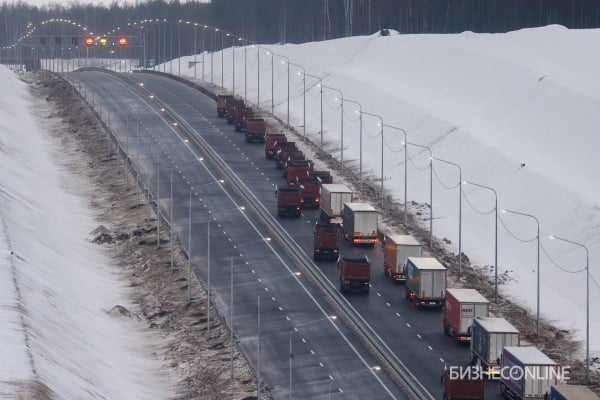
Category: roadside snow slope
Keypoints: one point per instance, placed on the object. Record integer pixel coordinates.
(65, 283)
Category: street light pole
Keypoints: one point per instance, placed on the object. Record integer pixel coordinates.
(405, 171)
(341, 124)
(320, 85)
(537, 236)
(303, 98)
(495, 237)
(460, 212)
(381, 133)
(587, 322)
(359, 111)
(210, 217)
(430, 190)
(294, 330)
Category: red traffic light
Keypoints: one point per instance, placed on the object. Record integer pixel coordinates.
(89, 41)
(122, 41)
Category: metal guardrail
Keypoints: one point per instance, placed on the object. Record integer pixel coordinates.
(376, 346)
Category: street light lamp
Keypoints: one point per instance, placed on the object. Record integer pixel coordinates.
(294, 330)
(375, 368)
(587, 322)
(537, 236)
(381, 133)
(459, 211)
(341, 123)
(495, 236)
(405, 171)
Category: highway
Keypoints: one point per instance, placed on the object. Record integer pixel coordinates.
(326, 354)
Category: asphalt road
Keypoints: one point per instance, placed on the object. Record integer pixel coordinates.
(326, 356)
(415, 335)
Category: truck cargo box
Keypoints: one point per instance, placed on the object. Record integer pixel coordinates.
(527, 373)
(463, 389)
(311, 187)
(460, 307)
(333, 197)
(289, 202)
(291, 157)
(230, 108)
(222, 100)
(425, 281)
(360, 223)
(271, 140)
(256, 128)
(488, 337)
(396, 250)
(241, 114)
(572, 392)
(355, 274)
(298, 169)
(326, 241)
(282, 152)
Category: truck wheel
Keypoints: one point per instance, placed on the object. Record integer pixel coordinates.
(316, 257)
(406, 294)
(342, 288)
(366, 290)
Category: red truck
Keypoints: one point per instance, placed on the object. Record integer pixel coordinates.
(283, 151)
(222, 100)
(256, 128)
(292, 156)
(464, 388)
(310, 187)
(298, 169)
(355, 274)
(327, 240)
(230, 108)
(460, 307)
(289, 202)
(271, 141)
(241, 114)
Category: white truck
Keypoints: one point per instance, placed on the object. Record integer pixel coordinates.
(488, 337)
(526, 373)
(333, 197)
(460, 307)
(425, 281)
(396, 251)
(359, 223)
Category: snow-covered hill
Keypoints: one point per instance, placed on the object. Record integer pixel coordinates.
(517, 111)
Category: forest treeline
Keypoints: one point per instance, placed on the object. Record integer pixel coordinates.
(296, 21)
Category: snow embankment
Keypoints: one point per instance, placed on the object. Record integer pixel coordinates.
(517, 111)
(56, 287)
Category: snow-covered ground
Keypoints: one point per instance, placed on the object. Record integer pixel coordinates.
(56, 287)
(517, 111)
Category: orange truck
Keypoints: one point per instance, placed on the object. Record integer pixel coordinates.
(355, 274)
(271, 142)
(396, 249)
(289, 202)
(326, 241)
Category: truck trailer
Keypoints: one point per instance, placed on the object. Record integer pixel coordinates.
(256, 128)
(355, 274)
(359, 221)
(572, 392)
(289, 202)
(425, 281)
(333, 197)
(397, 248)
(488, 337)
(326, 241)
(460, 307)
(526, 373)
